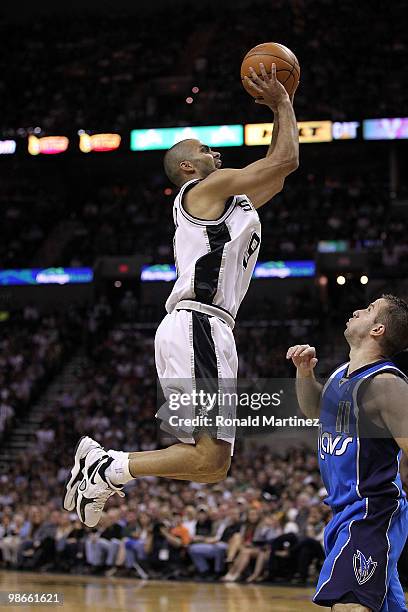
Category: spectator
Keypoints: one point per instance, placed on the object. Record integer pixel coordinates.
(136, 536)
(251, 533)
(102, 546)
(14, 532)
(39, 552)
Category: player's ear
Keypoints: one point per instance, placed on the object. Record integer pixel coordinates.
(378, 330)
(186, 166)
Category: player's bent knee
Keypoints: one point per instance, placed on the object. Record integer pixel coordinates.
(214, 459)
(206, 473)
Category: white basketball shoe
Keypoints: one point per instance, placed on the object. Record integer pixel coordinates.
(95, 487)
(84, 446)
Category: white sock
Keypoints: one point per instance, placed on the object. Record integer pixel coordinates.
(118, 471)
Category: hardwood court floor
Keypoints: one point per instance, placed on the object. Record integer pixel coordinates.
(87, 593)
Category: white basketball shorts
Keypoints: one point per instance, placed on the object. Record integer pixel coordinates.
(197, 365)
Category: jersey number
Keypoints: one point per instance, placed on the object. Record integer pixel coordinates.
(245, 205)
(253, 244)
(343, 417)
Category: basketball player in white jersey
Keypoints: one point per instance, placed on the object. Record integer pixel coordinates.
(216, 245)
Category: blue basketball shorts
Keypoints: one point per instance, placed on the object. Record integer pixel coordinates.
(363, 543)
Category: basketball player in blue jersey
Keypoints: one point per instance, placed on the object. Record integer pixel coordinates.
(363, 412)
(216, 245)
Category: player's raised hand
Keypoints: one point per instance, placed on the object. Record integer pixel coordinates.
(270, 91)
(303, 356)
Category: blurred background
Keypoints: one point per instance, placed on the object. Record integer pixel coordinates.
(87, 100)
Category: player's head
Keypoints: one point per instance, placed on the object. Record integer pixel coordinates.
(189, 159)
(383, 324)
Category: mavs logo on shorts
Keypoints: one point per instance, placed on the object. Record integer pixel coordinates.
(363, 568)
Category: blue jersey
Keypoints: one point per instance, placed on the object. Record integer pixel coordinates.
(357, 459)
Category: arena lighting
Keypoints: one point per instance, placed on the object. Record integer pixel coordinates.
(98, 142)
(323, 280)
(364, 279)
(189, 100)
(164, 138)
(7, 147)
(341, 280)
(385, 129)
(195, 90)
(48, 145)
(117, 284)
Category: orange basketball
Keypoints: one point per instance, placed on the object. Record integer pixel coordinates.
(287, 65)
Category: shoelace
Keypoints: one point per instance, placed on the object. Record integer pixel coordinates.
(99, 503)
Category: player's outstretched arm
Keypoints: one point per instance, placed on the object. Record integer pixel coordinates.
(275, 130)
(308, 389)
(269, 93)
(264, 178)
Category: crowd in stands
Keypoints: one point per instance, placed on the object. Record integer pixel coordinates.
(32, 348)
(308, 210)
(30, 207)
(107, 216)
(85, 71)
(265, 522)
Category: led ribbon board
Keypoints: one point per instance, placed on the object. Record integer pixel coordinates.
(98, 142)
(285, 269)
(164, 138)
(7, 147)
(385, 129)
(46, 276)
(48, 145)
(266, 269)
(309, 131)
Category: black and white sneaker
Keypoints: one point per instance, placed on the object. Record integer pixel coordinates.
(95, 488)
(84, 446)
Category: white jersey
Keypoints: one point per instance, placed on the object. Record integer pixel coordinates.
(215, 259)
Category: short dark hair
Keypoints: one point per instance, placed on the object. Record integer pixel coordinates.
(395, 318)
(172, 158)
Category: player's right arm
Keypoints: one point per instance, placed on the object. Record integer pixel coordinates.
(308, 389)
(263, 179)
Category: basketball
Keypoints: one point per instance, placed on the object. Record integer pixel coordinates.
(287, 65)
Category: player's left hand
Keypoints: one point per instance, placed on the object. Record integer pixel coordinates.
(271, 91)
